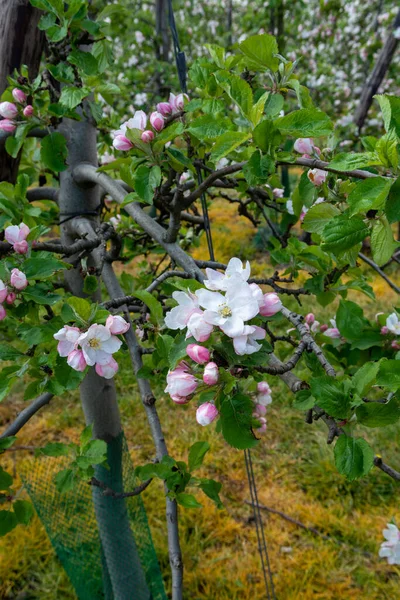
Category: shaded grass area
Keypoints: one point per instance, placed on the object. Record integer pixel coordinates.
(295, 474)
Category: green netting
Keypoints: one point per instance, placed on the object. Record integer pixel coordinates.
(103, 543)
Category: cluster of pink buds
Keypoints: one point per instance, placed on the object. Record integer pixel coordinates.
(9, 111)
(262, 400)
(140, 121)
(18, 281)
(306, 147)
(93, 347)
(16, 236)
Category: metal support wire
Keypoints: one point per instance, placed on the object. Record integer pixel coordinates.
(207, 226)
(262, 544)
(180, 58)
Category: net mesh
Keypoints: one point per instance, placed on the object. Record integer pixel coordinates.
(103, 543)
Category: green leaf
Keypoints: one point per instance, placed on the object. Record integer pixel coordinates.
(6, 479)
(40, 294)
(377, 414)
(187, 500)
(53, 152)
(238, 91)
(62, 71)
(90, 284)
(7, 442)
(211, 489)
(72, 96)
(217, 54)
(207, 127)
(350, 320)
(81, 307)
(365, 377)
(8, 521)
(197, 453)
(390, 107)
(348, 161)
(369, 194)
(319, 216)
(65, 480)
(178, 350)
(258, 109)
(85, 61)
(258, 168)
(303, 400)
(167, 135)
(146, 181)
(354, 458)
(343, 233)
(102, 51)
(152, 304)
(266, 136)
(226, 143)
(393, 203)
(43, 267)
(95, 451)
(331, 396)
(8, 352)
(55, 449)
(383, 244)
(23, 511)
(389, 375)
(260, 51)
(236, 420)
(15, 142)
(306, 122)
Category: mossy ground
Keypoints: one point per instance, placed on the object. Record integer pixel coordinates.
(294, 472)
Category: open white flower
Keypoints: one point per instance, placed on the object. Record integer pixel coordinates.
(98, 344)
(391, 548)
(221, 281)
(231, 311)
(67, 339)
(246, 343)
(178, 317)
(393, 324)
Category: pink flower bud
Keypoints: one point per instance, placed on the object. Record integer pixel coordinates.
(8, 110)
(261, 410)
(316, 176)
(121, 142)
(147, 136)
(179, 101)
(3, 291)
(109, 370)
(28, 111)
(263, 387)
(18, 279)
(262, 429)
(304, 146)
(3, 313)
(76, 360)
(264, 399)
(139, 333)
(16, 233)
(7, 126)
(11, 298)
(332, 332)
(323, 328)
(21, 247)
(395, 345)
(271, 305)
(180, 382)
(180, 399)
(157, 121)
(199, 354)
(117, 325)
(310, 318)
(19, 96)
(206, 413)
(384, 330)
(210, 375)
(278, 192)
(164, 108)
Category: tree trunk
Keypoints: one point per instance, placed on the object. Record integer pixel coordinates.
(162, 30)
(121, 563)
(21, 43)
(377, 75)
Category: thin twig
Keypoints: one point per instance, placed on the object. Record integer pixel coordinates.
(107, 491)
(26, 414)
(372, 264)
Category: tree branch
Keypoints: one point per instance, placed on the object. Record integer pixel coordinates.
(372, 264)
(313, 163)
(42, 193)
(26, 414)
(107, 491)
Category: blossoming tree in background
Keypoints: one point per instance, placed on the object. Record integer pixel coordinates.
(213, 334)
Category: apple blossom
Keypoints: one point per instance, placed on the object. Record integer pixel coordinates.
(310, 318)
(221, 281)
(108, 370)
(278, 192)
(384, 330)
(8, 110)
(211, 375)
(147, 136)
(206, 413)
(180, 382)
(231, 311)
(199, 354)
(393, 324)
(263, 387)
(11, 298)
(177, 102)
(157, 121)
(263, 427)
(98, 344)
(138, 121)
(179, 399)
(390, 549)
(7, 126)
(271, 305)
(19, 96)
(18, 279)
(28, 111)
(164, 108)
(323, 328)
(395, 345)
(120, 142)
(15, 234)
(3, 291)
(3, 313)
(198, 327)
(304, 146)
(76, 360)
(264, 399)
(246, 343)
(332, 332)
(117, 325)
(260, 410)
(317, 176)
(178, 317)
(67, 339)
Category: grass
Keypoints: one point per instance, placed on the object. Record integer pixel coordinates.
(294, 472)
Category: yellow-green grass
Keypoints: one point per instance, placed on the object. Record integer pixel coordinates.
(294, 471)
